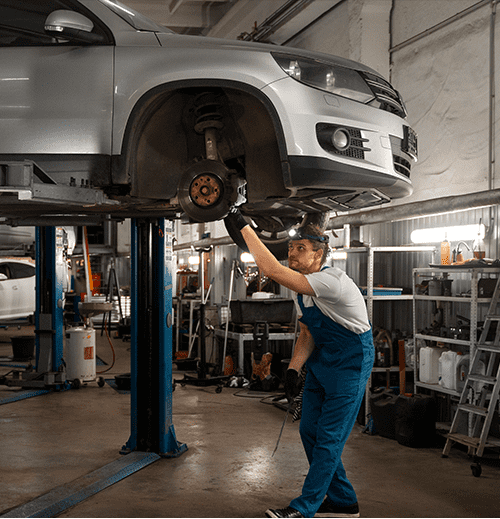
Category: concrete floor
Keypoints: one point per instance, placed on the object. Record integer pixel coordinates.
(228, 471)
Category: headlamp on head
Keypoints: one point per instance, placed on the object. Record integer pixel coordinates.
(298, 234)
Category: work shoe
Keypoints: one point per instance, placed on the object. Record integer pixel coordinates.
(328, 509)
(283, 512)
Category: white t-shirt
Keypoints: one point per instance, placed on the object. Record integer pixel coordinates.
(338, 297)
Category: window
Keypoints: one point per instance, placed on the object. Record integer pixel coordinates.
(4, 269)
(22, 22)
(21, 270)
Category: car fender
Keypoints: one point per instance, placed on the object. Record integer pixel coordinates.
(124, 162)
(142, 72)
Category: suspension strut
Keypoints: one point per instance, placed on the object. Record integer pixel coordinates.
(208, 121)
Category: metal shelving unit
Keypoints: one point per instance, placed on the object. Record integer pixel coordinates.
(473, 300)
(370, 277)
(370, 297)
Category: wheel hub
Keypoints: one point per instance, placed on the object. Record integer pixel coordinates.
(205, 190)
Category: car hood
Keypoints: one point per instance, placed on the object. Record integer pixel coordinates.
(169, 39)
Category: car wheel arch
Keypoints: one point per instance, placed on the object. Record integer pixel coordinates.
(158, 117)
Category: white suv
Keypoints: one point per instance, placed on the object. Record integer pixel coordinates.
(96, 95)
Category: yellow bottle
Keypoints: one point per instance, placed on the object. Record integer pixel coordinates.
(445, 252)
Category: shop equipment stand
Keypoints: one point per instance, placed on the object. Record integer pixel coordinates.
(113, 291)
(201, 379)
(477, 390)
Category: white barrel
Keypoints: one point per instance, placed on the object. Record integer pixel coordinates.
(80, 354)
(429, 365)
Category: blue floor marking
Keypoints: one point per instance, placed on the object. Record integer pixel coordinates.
(10, 365)
(24, 394)
(66, 496)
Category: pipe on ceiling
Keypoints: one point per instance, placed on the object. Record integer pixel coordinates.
(440, 25)
(276, 20)
(419, 209)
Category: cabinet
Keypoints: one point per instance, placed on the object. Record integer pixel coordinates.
(465, 295)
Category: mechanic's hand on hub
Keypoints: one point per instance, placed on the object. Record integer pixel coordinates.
(235, 218)
(292, 385)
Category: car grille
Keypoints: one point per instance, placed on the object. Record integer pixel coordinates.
(356, 149)
(357, 146)
(402, 166)
(386, 95)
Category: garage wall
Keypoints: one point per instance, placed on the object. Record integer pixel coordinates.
(329, 34)
(444, 78)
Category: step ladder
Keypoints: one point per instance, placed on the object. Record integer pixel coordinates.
(478, 389)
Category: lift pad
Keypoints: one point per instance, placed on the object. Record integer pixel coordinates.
(65, 496)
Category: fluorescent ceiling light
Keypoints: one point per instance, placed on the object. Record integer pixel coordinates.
(456, 233)
(194, 260)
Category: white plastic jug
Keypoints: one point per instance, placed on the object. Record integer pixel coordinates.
(429, 365)
(448, 369)
(462, 371)
(463, 364)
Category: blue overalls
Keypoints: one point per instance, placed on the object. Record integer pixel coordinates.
(337, 373)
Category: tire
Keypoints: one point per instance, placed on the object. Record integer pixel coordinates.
(273, 232)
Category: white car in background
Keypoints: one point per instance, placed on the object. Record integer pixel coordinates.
(17, 288)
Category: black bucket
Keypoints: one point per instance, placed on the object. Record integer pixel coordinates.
(23, 347)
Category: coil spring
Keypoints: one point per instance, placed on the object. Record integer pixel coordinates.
(207, 112)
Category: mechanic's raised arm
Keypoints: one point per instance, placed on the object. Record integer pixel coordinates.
(271, 267)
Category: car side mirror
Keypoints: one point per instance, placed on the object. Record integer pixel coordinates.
(71, 26)
(3, 277)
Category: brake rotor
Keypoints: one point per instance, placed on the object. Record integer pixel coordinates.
(206, 190)
(203, 191)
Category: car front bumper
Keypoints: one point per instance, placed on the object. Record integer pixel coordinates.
(302, 110)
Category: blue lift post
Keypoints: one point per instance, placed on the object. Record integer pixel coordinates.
(49, 372)
(152, 429)
(49, 325)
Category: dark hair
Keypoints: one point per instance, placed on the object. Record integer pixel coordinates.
(317, 237)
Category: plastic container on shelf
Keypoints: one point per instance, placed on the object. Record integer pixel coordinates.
(429, 365)
(462, 371)
(463, 365)
(448, 369)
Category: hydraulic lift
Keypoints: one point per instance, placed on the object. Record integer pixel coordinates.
(152, 430)
(49, 372)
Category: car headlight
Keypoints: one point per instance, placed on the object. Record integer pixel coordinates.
(334, 79)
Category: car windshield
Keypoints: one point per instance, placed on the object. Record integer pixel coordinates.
(136, 20)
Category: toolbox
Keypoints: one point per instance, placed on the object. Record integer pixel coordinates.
(251, 311)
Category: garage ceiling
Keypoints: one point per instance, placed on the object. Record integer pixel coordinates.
(275, 21)
(184, 16)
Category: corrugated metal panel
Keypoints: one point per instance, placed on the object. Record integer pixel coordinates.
(395, 269)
